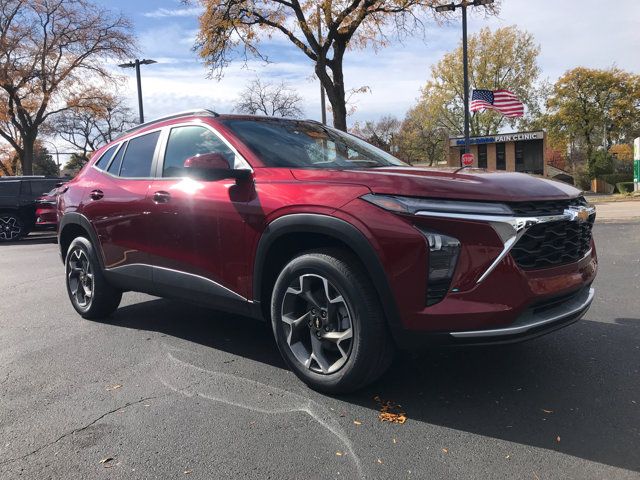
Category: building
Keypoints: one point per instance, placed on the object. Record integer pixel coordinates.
(512, 152)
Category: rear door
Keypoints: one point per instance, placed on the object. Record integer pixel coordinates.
(118, 206)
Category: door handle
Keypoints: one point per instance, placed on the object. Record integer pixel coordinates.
(161, 197)
(96, 194)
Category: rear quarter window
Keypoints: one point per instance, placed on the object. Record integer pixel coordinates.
(103, 161)
(139, 156)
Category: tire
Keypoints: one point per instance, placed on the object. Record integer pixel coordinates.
(90, 293)
(12, 227)
(328, 323)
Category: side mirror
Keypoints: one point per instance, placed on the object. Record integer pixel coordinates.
(212, 166)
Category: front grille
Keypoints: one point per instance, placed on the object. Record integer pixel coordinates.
(545, 207)
(551, 244)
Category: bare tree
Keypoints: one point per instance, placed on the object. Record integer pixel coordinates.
(271, 99)
(89, 127)
(381, 133)
(53, 54)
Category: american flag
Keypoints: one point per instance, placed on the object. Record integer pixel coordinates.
(502, 101)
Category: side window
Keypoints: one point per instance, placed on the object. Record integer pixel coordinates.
(114, 168)
(40, 187)
(103, 161)
(139, 156)
(185, 142)
(10, 188)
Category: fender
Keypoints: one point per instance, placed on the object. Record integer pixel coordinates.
(75, 218)
(340, 230)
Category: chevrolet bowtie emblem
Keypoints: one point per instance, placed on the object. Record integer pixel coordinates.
(578, 213)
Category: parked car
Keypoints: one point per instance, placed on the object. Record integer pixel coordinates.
(46, 212)
(18, 204)
(348, 252)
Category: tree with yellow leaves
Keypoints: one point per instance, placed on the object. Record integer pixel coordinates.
(506, 58)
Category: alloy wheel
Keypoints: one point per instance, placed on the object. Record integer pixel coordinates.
(80, 278)
(10, 228)
(317, 324)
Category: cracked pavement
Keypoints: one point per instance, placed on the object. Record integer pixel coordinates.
(170, 390)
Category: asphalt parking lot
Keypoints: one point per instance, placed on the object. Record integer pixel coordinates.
(169, 390)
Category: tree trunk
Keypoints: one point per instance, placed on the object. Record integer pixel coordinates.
(334, 86)
(26, 159)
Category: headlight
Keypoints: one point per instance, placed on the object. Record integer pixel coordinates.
(411, 205)
(443, 257)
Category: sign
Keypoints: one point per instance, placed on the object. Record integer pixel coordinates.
(507, 137)
(467, 159)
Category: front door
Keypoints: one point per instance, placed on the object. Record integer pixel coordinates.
(197, 239)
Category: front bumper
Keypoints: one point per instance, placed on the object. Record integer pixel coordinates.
(537, 320)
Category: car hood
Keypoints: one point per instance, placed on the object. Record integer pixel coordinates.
(467, 184)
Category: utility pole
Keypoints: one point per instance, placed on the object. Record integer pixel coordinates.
(321, 63)
(450, 7)
(136, 64)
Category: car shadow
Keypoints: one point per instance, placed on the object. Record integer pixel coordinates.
(576, 391)
(37, 239)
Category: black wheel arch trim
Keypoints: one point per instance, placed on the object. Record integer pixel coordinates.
(340, 230)
(75, 218)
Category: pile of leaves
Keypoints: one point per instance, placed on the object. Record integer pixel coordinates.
(390, 412)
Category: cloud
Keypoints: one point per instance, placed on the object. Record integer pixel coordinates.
(174, 12)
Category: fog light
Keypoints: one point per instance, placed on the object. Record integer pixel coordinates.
(443, 257)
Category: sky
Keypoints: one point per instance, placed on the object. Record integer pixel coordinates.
(590, 33)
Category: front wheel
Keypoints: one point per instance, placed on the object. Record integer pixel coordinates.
(328, 322)
(90, 293)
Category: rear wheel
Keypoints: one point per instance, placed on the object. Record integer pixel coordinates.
(328, 322)
(11, 227)
(90, 293)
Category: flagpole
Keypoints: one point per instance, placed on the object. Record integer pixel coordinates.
(465, 69)
(450, 7)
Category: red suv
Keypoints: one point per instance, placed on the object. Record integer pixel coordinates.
(346, 250)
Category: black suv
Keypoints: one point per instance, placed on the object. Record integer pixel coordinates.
(17, 203)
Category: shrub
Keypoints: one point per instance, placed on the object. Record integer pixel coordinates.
(624, 187)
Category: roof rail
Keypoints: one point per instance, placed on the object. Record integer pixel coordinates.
(200, 111)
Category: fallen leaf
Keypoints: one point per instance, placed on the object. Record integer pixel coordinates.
(547, 411)
(558, 439)
(113, 387)
(357, 422)
(445, 450)
(105, 460)
(390, 412)
(339, 454)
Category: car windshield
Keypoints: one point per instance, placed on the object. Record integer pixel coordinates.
(305, 144)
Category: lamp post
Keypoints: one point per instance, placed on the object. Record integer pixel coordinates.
(136, 64)
(450, 7)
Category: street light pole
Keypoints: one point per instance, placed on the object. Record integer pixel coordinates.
(136, 64)
(450, 7)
